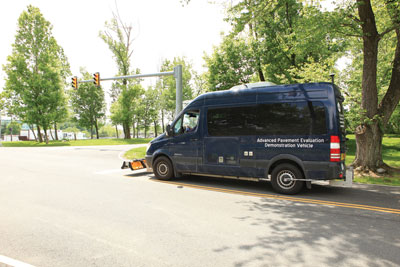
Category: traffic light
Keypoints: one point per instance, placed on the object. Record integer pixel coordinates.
(74, 82)
(96, 78)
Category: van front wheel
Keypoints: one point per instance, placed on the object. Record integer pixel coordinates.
(163, 169)
(284, 179)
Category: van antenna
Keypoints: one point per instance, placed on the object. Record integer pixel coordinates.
(332, 77)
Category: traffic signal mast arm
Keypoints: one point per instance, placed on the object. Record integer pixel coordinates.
(168, 73)
(177, 73)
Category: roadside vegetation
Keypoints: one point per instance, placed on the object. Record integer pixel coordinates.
(86, 142)
(135, 153)
(391, 156)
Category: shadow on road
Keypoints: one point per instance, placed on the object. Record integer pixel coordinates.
(323, 236)
(373, 195)
(309, 234)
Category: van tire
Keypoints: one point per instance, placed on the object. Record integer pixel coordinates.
(163, 169)
(281, 179)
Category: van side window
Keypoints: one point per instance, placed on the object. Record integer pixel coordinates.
(232, 121)
(187, 122)
(291, 118)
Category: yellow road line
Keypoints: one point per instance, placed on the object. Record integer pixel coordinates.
(281, 197)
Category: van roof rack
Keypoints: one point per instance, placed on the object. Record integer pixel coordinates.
(252, 85)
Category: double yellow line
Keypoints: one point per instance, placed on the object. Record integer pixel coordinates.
(282, 197)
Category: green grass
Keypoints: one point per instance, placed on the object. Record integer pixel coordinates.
(135, 153)
(390, 150)
(87, 142)
(390, 154)
(393, 181)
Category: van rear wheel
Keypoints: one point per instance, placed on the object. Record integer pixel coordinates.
(163, 169)
(284, 179)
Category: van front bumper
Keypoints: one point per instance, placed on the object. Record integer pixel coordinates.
(149, 163)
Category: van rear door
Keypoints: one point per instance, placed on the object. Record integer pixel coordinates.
(341, 123)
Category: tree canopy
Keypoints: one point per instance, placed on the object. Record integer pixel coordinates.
(36, 73)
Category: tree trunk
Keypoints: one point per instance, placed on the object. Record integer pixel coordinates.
(51, 134)
(368, 135)
(91, 131)
(369, 147)
(46, 137)
(116, 130)
(55, 130)
(39, 133)
(97, 129)
(137, 129)
(127, 130)
(34, 135)
(155, 129)
(162, 120)
(133, 129)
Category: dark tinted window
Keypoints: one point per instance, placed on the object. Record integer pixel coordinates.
(297, 118)
(232, 121)
(318, 117)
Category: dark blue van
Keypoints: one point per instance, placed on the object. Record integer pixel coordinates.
(292, 134)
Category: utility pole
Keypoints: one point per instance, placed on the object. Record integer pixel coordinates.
(178, 81)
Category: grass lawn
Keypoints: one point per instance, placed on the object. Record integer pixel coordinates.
(390, 150)
(135, 153)
(86, 142)
(390, 154)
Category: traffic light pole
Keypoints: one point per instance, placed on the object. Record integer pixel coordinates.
(177, 73)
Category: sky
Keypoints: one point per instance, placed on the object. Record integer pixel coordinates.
(163, 29)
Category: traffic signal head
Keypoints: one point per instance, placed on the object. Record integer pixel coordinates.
(75, 82)
(96, 78)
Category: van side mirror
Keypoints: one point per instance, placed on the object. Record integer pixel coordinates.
(169, 131)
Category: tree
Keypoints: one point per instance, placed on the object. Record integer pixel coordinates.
(107, 131)
(88, 104)
(230, 64)
(36, 73)
(125, 109)
(286, 40)
(168, 85)
(149, 110)
(118, 37)
(374, 28)
(13, 128)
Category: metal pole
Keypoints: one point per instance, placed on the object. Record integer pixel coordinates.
(178, 80)
(332, 77)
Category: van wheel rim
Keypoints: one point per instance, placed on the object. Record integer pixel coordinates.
(162, 169)
(286, 179)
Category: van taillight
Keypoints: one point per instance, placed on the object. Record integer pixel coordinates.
(335, 148)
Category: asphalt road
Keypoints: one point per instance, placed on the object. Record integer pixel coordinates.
(73, 206)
